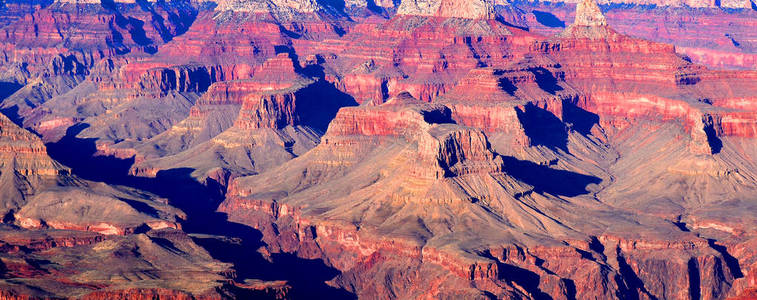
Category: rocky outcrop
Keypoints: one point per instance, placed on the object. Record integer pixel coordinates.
(178, 78)
(677, 77)
(268, 111)
(254, 124)
(99, 32)
(160, 78)
(68, 271)
(557, 100)
(589, 14)
(402, 232)
(301, 6)
(720, 59)
(25, 166)
(392, 118)
(589, 23)
(425, 56)
(469, 9)
(40, 193)
(696, 35)
(429, 154)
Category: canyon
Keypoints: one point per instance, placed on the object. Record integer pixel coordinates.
(419, 149)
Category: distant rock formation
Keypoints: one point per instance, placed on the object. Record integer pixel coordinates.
(24, 166)
(589, 22)
(467, 9)
(263, 6)
(589, 14)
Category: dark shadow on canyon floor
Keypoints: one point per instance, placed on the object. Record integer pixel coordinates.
(546, 80)
(507, 85)
(694, 279)
(548, 19)
(579, 119)
(547, 180)
(712, 139)
(319, 103)
(731, 262)
(224, 240)
(542, 127)
(8, 88)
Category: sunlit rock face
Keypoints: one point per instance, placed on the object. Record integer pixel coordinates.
(377, 149)
(469, 9)
(303, 6)
(699, 33)
(589, 14)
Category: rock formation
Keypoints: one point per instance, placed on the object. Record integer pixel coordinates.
(469, 9)
(25, 165)
(258, 6)
(263, 121)
(589, 14)
(39, 192)
(56, 263)
(696, 35)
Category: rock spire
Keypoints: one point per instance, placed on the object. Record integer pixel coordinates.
(589, 14)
